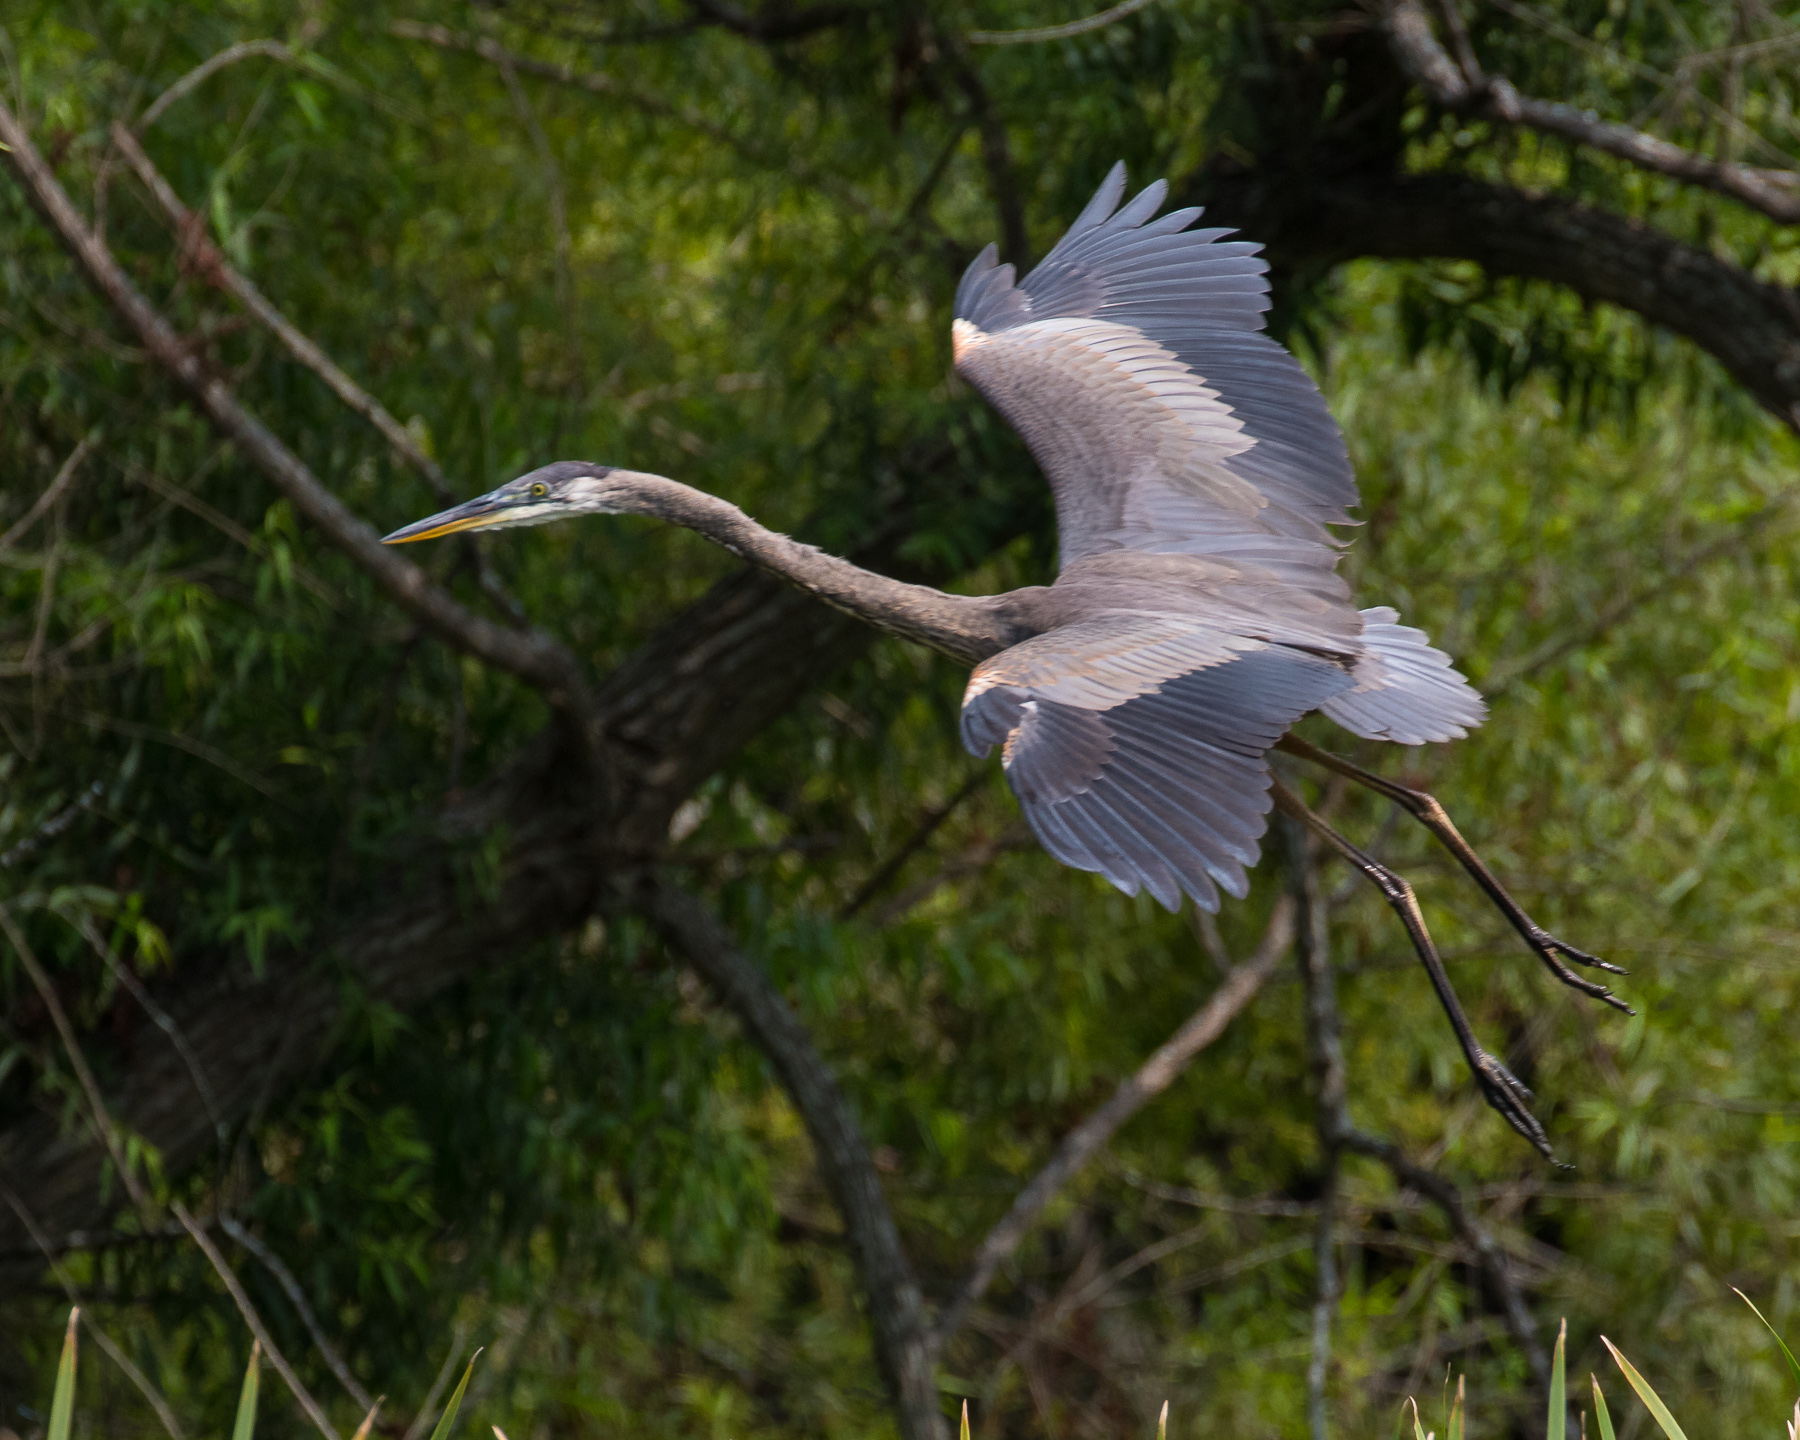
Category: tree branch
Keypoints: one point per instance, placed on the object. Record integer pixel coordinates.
(1081, 1144)
(1339, 1133)
(1325, 1057)
(896, 1310)
(1750, 326)
(1776, 193)
(199, 254)
(535, 659)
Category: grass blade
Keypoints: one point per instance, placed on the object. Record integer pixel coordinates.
(1652, 1401)
(448, 1418)
(244, 1428)
(62, 1399)
(368, 1421)
(1793, 1364)
(1453, 1428)
(964, 1432)
(1162, 1423)
(1600, 1412)
(1557, 1427)
(1418, 1429)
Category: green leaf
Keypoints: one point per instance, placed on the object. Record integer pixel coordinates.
(448, 1418)
(1601, 1416)
(1453, 1428)
(62, 1401)
(1418, 1429)
(1793, 1364)
(244, 1428)
(1162, 1423)
(1652, 1401)
(964, 1432)
(1557, 1427)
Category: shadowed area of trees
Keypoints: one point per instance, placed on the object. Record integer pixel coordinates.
(575, 944)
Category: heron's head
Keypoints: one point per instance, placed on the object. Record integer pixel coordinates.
(555, 492)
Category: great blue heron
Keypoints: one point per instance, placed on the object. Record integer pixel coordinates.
(1197, 612)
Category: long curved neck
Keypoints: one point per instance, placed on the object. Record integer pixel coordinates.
(968, 628)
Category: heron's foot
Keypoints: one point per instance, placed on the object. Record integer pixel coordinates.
(1508, 1094)
(1552, 951)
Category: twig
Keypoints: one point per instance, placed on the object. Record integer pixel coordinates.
(903, 1345)
(1152, 1078)
(1427, 1182)
(230, 55)
(52, 493)
(532, 657)
(164, 1021)
(284, 1277)
(1058, 32)
(137, 1377)
(977, 857)
(234, 1287)
(926, 828)
(1325, 1055)
(200, 254)
(1776, 193)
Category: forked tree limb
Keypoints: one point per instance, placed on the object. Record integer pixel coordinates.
(1776, 193)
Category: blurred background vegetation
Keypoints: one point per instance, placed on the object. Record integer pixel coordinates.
(720, 243)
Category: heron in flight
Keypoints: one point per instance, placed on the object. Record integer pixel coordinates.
(1197, 612)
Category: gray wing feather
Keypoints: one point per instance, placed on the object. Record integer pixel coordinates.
(1406, 691)
(1200, 299)
(1165, 788)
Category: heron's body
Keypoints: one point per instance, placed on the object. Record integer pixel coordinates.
(1197, 612)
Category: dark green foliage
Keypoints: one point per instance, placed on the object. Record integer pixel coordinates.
(574, 1158)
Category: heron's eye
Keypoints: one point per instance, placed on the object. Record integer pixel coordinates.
(540, 489)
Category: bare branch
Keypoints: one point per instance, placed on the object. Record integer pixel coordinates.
(532, 657)
(205, 258)
(121, 972)
(1776, 193)
(903, 1345)
(1058, 32)
(284, 1277)
(926, 828)
(234, 1287)
(230, 55)
(977, 857)
(1325, 1057)
(1324, 1027)
(52, 493)
(1086, 1139)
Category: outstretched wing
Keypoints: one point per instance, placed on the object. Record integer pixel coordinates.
(1135, 744)
(1130, 361)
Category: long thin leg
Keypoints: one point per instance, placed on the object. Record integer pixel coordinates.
(1499, 1086)
(1425, 809)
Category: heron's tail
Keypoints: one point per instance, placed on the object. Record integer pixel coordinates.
(1405, 690)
